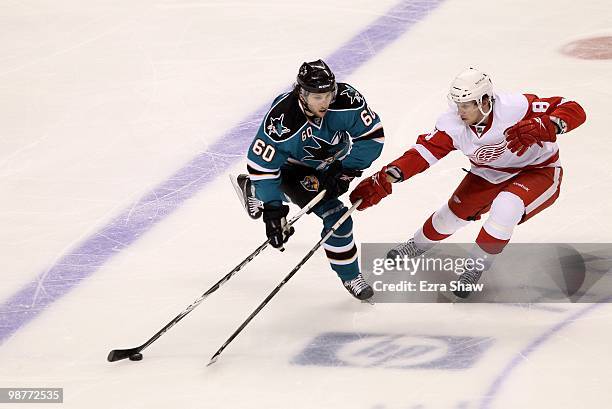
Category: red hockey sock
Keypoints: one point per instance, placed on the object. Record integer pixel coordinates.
(431, 233)
(490, 244)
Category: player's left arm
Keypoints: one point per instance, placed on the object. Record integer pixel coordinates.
(367, 135)
(544, 120)
(565, 114)
(356, 118)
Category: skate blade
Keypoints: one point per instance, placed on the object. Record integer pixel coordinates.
(234, 181)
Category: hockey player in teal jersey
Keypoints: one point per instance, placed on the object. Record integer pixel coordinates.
(321, 135)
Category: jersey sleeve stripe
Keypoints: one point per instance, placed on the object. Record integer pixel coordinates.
(255, 172)
(372, 135)
(260, 168)
(263, 177)
(426, 154)
(367, 135)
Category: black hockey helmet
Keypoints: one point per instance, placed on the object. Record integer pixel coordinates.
(316, 77)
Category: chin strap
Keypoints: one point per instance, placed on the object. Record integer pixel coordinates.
(486, 114)
(305, 107)
(483, 121)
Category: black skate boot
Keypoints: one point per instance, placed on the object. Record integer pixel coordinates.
(359, 288)
(246, 194)
(408, 250)
(469, 277)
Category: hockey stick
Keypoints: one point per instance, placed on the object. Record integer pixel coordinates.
(284, 281)
(134, 353)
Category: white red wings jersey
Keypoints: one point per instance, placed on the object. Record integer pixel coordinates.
(487, 150)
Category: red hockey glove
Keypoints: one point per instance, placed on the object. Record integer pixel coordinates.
(372, 190)
(530, 131)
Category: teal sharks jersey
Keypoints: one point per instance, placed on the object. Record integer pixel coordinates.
(350, 132)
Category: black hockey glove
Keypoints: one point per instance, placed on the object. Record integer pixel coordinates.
(337, 179)
(277, 230)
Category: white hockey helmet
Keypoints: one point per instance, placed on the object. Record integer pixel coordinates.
(472, 85)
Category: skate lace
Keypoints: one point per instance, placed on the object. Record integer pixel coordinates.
(254, 204)
(408, 249)
(357, 285)
(470, 277)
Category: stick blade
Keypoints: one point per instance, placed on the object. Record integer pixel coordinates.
(213, 359)
(119, 354)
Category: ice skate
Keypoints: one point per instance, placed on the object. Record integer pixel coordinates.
(466, 281)
(246, 195)
(405, 250)
(359, 288)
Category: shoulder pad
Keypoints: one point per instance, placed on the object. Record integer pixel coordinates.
(284, 119)
(512, 107)
(450, 123)
(347, 98)
(511, 100)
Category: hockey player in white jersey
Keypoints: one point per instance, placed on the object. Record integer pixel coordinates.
(510, 140)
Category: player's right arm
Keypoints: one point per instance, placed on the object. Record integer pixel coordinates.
(268, 152)
(270, 149)
(429, 148)
(264, 160)
(426, 152)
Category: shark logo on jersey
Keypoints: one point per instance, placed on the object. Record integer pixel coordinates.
(353, 94)
(276, 126)
(327, 152)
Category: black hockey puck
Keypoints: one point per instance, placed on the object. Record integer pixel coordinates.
(136, 357)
